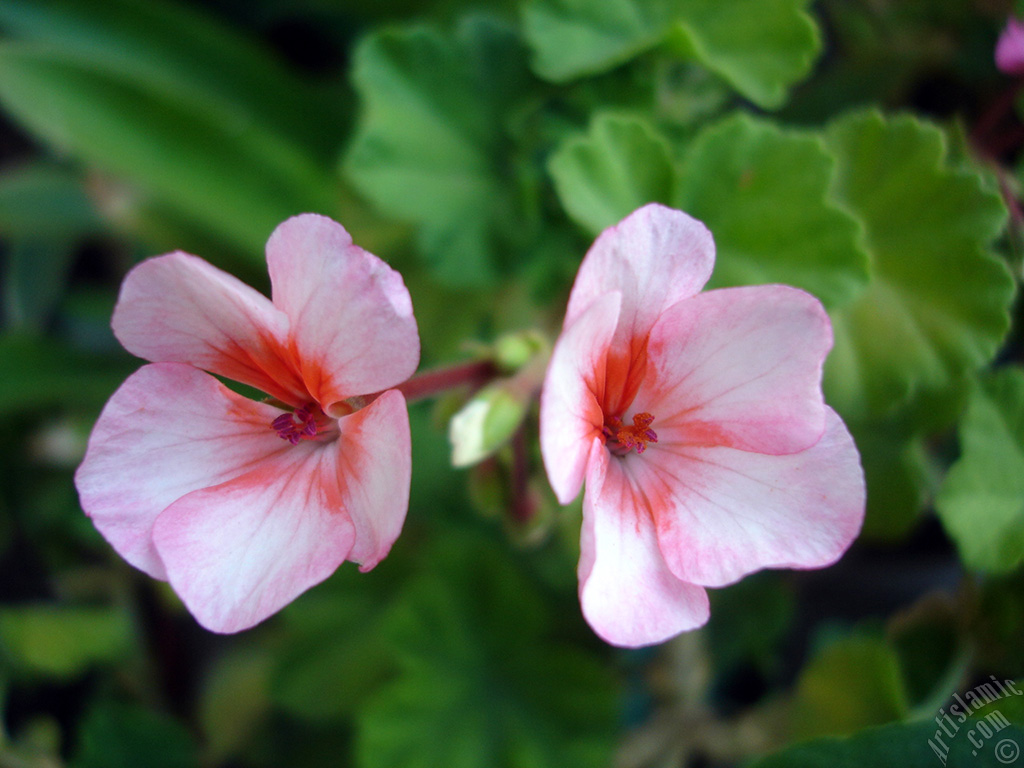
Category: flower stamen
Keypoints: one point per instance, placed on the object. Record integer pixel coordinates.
(622, 439)
(298, 425)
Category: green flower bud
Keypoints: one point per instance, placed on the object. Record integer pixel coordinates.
(514, 350)
(486, 422)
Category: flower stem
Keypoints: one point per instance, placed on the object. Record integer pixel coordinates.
(439, 380)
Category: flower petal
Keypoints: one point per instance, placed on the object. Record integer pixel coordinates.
(570, 403)
(170, 429)
(238, 552)
(179, 309)
(375, 462)
(722, 513)
(351, 315)
(1010, 48)
(628, 595)
(656, 257)
(739, 367)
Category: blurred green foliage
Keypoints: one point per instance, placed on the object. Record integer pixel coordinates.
(867, 151)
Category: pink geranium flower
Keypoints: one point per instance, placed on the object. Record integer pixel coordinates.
(241, 504)
(1010, 48)
(698, 423)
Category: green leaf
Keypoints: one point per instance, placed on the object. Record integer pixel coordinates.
(41, 200)
(575, 38)
(40, 372)
(334, 656)
(621, 164)
(763, 193)
(63, 642)
(916, 745)
(181, 54)
(234, 702)
(748, 623)
(981, 502)
(238, 179)
(761, 47)
(933, 649)
(428, 147)
(44, 212)
(478, 667)
(898, 478)
(850, 684)
(34, 277)
(124, 736)
(938, 304)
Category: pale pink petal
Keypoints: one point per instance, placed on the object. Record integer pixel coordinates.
(628, 595)
(570, 403)
(1010, 48)
(722, 513)
(179, 309)
(351, 315)
(655, 257)
(739, 367)
(375, 464)
(170, 429)
(240, 551)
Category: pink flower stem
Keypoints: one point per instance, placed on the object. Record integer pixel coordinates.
(521, 508)
(439, 380)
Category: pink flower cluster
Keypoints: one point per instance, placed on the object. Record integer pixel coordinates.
(696, 421)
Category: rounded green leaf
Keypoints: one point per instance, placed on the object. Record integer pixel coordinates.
(621, 164)
(482, 683)
(851, 684)
(761, 47)
(981, 502)
(428, 146)
(938, 303)
(763, 193)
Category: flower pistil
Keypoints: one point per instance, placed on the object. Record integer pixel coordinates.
(622, 439)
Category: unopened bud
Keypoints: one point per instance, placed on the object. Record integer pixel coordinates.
(485, 423)
(514, 350)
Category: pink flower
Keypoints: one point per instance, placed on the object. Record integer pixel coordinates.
(1010, 48)
(698, 423)
(241, 504)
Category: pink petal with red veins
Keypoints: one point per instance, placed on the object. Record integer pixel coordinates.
(351, 315)
(722, 513)
(238, 552)
(628, 595)
(570, 403)
(655, 257)
(739, 367)
(169, 430)
(179, 309)
(375, 464)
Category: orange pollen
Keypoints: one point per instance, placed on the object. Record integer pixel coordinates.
(623, 439)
